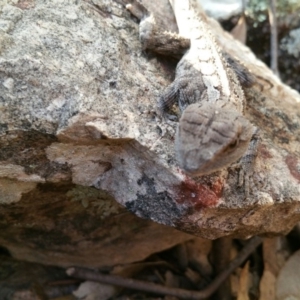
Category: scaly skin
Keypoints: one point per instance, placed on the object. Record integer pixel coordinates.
(212, 132)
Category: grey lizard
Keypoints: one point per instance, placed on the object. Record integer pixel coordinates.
(213, 132)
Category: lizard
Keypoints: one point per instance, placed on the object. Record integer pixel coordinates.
(213, 132)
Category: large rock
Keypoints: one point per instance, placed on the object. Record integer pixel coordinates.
(78, 129)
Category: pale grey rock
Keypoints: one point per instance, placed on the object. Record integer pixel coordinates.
(287, 284)
(222, 9)
(90, 290)
(78, 125)
(11, 13)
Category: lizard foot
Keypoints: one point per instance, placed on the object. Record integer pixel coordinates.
(246, 165)
(137, 9)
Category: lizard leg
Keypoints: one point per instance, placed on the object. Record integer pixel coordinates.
(181, 91)
(247, 161)
(154, 36)
(245, 77)
(167, 100)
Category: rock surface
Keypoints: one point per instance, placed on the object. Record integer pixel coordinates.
(78, 130)
(287, 285)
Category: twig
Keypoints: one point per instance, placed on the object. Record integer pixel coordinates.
(162, 290)
(274, 41)
(63, 282)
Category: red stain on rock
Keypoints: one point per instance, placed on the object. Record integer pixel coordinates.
(199, 195)
(264, 152)
(293, 165)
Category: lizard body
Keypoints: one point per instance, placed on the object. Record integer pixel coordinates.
(212, 132)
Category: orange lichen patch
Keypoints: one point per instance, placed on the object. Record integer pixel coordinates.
(199, 195)
(293, 165)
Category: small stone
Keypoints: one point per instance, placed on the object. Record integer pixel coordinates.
(9, 84)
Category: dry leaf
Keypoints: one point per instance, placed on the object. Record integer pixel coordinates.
(171, 280)
(180, 252)
(193, 276)
(267, 286)
(240, 30)
(271, 269)
(197, 252)
(234, 282)
(244, 283)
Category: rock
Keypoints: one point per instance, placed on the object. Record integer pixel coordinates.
(222, 10)
(79, 134)
(90, 290)
(287, 285)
